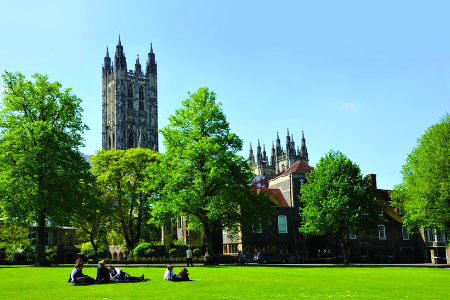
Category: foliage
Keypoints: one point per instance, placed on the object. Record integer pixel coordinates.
(233, 282)
(201, 177)
(197, 252)
(143, 250)
(41, 166)
(178, 243)
(93, 220)
(50, 254)
(424, 193)
(173, 252)
(120, 175)
(88, 250)
(338, 200)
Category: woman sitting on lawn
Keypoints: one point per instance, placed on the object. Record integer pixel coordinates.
(102, 273)
(183, 275)
(77, 271)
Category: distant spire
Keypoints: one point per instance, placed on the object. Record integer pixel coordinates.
(107, 52)
(251, 146)
(151, 48)
(259, 144)
(119, 41)
(288, 132)
(137, 60)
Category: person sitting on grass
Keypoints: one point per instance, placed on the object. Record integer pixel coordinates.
(77, 275)
(102, 273)
(169, 274)
(183, 275)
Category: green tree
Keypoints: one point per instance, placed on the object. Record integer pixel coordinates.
(93, 221)
(13, 239)
(424, 193)
(120, 175)
(338, 200)
(41, 166)
(201, 177)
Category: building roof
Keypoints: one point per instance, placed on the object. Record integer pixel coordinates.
(274, 195)
(385, 201)
(300, 167)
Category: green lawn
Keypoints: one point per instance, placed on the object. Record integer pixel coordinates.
(242, 282)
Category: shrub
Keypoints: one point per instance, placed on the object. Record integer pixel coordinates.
(143, 249)
(197, 252)
(173, 252)
(178, 243)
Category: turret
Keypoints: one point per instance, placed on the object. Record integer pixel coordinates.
(137, 67)
(288, 143)
(120, 61)
(151, 62)
(258, 154)
(303, 150)
(251, 157)
(106, 63)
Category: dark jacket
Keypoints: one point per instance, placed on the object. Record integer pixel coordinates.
(103, 274)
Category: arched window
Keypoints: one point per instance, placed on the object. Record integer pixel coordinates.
(141, 98)
(130, 96)
(130, 140)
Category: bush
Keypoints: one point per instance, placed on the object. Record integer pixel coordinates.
(197, 252)
(173, 252)
(178, 243)
(142, 249)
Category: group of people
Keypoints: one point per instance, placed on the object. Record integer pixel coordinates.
(104, 274)
(183, 275)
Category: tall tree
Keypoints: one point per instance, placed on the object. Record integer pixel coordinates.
(338, 200)
(424, 193)
(40, 163)
(120, 175)
(93, 221)
(200, 176)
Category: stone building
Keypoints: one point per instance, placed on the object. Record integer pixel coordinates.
(280, 159)
(129, 102)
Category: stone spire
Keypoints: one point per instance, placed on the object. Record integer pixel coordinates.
(137, 66)
(120, 61)
(151, 66)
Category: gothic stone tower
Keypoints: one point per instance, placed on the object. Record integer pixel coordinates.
(129, 103)
(280, 159)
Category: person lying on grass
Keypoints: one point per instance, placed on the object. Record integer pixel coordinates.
(117, 274)
(169, 274)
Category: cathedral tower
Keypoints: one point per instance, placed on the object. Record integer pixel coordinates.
(129, 103)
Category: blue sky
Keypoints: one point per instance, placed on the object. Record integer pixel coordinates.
(366, 78)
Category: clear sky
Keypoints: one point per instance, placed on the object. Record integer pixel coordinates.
(366, 78)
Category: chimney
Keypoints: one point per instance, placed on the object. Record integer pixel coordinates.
(373, 179)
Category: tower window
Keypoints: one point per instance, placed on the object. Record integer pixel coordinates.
(130, 96)
(141, 98)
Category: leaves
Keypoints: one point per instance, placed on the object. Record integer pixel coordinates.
(424, 193)
(41, 166)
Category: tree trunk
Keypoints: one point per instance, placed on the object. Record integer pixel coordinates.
(345, 250)
(209, 237)
(41, 257)
(95, 246)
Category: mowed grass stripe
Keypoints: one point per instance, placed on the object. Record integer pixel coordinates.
(235, 282)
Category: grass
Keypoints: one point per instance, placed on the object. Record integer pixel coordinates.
(235, 282)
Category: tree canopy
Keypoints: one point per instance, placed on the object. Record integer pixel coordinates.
(338, 199)
(200, 177)
(120, 175)
(424, 193)
(41, 166)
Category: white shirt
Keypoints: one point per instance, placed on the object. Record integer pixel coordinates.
(168, 274)
(188, 253)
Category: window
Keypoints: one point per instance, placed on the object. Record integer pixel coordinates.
(256, 225)
(130, 96)
(352, 235)
(282, 224)
(405, 233)
(381, 214)
(141, 98)
(400, 211)
(381, 232)
(436, 236)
